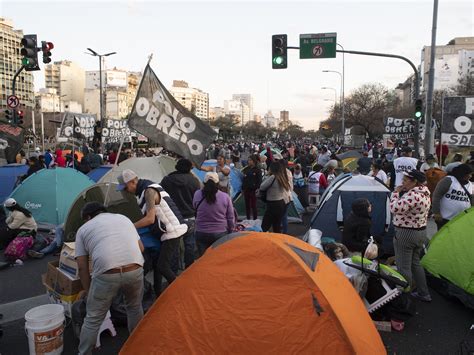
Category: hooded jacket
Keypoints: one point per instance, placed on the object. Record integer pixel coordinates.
(357, 227)
(60, 161)
(182, 187)
(411, 209)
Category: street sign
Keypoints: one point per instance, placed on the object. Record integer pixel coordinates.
(318, 45)
(13, 101)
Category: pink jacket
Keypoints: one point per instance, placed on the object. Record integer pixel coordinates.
(411, 210)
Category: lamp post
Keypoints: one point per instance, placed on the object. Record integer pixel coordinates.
(101, 100)
(341, 75)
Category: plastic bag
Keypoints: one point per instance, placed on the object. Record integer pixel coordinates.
(372, 250)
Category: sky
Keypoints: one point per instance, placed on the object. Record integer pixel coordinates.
(224, 47)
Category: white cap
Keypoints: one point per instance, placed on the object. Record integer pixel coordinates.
(10, 202)
(126, 176)
(211, 176)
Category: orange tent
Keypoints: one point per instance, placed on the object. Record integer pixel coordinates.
(68, 151)
(258, 293)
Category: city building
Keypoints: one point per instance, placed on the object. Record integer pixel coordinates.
(238, 109)
(216, 112)
(67, 78)
(247, 99)
(284, 120)
(194, 100)
(269, 120)
(48, 100)
(10, 62)
(451, 62)
(116, 103)
(111, 78)
(133, 81)
(406, 91)
(257, 118)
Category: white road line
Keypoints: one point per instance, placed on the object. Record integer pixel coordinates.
(16, 310)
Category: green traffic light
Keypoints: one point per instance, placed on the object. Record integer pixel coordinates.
(418, 114)
(278, 60)
(25, 61)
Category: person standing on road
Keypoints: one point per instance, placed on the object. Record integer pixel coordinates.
(113, 244)
(364, 163)
(250, 184)
(223, 171)
(402, 165)
(410, 206)
(457, 160)
(452, 195)
(162, 216)
(214, 213)
(377, 172)
(277, 188)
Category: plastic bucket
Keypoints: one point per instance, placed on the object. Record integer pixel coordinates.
(45, 327)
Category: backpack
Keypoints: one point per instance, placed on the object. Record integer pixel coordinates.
(18, 247)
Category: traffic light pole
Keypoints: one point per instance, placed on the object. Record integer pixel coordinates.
(14, 88)
(416, 136)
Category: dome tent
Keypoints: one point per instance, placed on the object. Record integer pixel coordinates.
(9, 175)
(233, 299)
(49, 193)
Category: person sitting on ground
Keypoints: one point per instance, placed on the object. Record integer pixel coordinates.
(430, 163)
(453, 194)
(114, 246)
(378, 172)
(457, 160)
(20, 220)
(364, 163)
(214, 213)
(162, 216)
(357, 224)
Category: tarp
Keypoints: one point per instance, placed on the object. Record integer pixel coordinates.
(49, 193)
(151, 168)
(450, 253)
(8, 177)
(350, 154)
(337, 200)
(258, 293)
(117, 202)
(235, 177)
(97, 173)
(295, 209)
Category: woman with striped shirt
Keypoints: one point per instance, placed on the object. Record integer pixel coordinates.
(410, 205)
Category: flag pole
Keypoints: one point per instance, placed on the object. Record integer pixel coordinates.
(112, 170)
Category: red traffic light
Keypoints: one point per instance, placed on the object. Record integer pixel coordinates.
(47, 46)
(20, 113)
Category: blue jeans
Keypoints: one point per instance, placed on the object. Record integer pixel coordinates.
(101, 293)
(189, 249)
(57, 242)
(284, 220)
(205, 240)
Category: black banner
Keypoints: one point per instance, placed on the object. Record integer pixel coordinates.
(114, 130)
(79, 126)
(400, 128)
(11, 142)
(158, 116)
(458, 125)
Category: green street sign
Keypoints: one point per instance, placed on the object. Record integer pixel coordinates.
(318, 45)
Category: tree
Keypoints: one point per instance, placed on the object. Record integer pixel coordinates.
(255, 130)
(465, 86)
(227, 126)
(294, 131)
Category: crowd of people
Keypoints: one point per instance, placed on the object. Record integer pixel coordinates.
(180, 209)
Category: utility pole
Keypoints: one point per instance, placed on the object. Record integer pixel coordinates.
(429, 141)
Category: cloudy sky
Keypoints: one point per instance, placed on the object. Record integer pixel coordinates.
(224, 47)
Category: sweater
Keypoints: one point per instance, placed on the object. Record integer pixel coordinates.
(17, 220)
(411, 209)
(275, 192)
(182, 187)
(356, 232)
(217, 217)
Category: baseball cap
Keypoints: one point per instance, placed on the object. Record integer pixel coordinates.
(416, 175)
(126, 176)
(10, 202)
(211, 176)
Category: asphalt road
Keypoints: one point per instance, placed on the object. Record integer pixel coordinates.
(437, 328)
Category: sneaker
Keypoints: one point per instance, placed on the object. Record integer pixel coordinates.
(35, 254)
(397, 325)
(424, 298)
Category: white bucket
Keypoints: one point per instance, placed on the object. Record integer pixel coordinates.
(44, 328)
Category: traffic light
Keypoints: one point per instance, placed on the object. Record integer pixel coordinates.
(29, 53)
(279, 52)
(46, 49)
(9, 115)
(19, 117)
(418, 109)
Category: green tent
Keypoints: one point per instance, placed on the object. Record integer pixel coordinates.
(49, 193)
(117, 202)
(450, 257)
(239, 205)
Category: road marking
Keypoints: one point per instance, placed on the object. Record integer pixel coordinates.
(16, 310)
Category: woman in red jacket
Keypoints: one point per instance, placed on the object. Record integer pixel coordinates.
(410, 204)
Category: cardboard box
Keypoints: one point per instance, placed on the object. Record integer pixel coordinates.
(60, 282)
(67, 260)
(56, 298)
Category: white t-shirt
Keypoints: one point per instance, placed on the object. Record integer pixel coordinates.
(425, 166)
(403, 165)
(380, 175)
(110, 240)
(456, 199)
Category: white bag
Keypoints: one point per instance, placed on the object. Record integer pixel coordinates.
(372, 250)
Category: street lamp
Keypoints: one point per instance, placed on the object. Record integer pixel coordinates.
(341, 97)
(101, 99)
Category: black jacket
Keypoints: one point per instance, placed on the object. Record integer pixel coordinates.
(181, 187)
(357, 227)
(252, 178)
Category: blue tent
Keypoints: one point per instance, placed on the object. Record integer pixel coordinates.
(235, 177)
(49, 193)
(8, 178)
(337, 200)
(97, 173)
